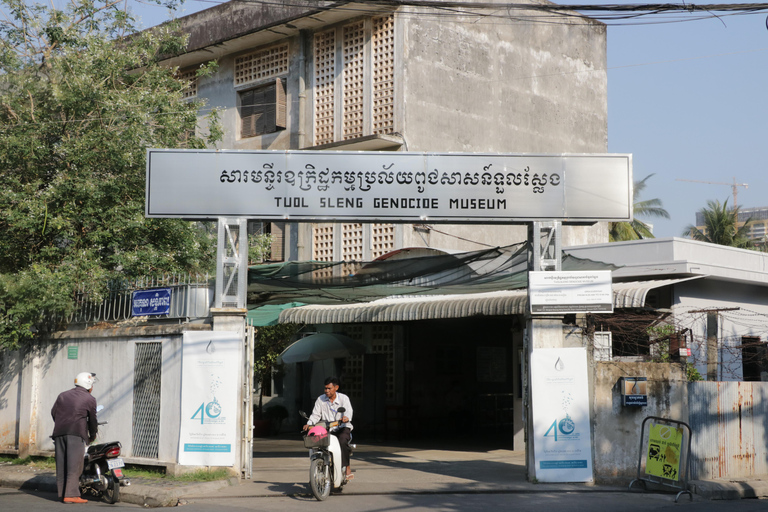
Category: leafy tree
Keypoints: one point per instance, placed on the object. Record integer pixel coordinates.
(637, 229)
(82, 96)
(721, 227)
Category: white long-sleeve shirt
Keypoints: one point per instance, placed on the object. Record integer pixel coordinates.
(329, 411)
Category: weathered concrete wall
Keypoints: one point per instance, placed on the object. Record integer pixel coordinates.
(10, 392)
(616, 429)
(504, 87)
(31, 383)
(511, 87)
(112, 359)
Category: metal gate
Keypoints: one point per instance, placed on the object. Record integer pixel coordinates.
(728, 424)
(147, 383)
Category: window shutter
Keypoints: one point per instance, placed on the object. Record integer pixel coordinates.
(280, 114)
(263, 110)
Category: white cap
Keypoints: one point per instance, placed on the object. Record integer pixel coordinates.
(85, 380)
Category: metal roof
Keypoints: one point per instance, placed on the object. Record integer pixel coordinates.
(410, 308)
(632, 295)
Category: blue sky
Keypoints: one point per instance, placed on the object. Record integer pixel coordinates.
(688, 99)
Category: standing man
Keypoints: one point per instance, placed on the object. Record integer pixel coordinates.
(75, 425)
(326, 409)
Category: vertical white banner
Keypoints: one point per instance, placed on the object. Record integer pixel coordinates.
(210, 384)
(561, 427)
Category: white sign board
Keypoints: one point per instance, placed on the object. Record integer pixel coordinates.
(561, 429)
(388, 186)
(570, 292)
(210, 385)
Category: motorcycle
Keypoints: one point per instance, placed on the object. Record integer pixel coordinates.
(325, 470)
(102, 471)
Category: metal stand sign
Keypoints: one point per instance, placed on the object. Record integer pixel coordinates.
(667, 452)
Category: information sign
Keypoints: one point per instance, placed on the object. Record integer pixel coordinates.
(151, 302)
(570, 292)
(388, 186)
(663, 458)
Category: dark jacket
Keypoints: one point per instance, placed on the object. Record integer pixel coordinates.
(74, 414)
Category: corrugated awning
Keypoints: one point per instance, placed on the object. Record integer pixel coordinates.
(410, 308)
(633, 294)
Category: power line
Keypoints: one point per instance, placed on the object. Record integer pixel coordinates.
(545, 13)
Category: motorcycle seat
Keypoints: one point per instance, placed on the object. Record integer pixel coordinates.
(96, 449)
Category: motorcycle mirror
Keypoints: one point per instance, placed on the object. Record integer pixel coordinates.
(303, 415)
(99, 408)
(342, 410)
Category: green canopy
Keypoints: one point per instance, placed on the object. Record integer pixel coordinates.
(268, 314)
(344, 282)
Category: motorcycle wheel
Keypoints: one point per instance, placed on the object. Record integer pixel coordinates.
(112, 492)
(318, 480)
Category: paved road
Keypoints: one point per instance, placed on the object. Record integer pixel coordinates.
(13, 500)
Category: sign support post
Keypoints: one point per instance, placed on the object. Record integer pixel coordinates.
(232, 263)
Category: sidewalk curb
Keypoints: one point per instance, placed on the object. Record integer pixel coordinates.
(729, 489)
(135, 494)
(168, 496)
(162, 493)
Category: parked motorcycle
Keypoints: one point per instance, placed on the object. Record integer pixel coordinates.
(325, 470)
(102, 472)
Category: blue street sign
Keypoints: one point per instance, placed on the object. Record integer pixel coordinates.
(151, 302)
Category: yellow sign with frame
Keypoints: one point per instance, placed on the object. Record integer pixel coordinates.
(664, 447)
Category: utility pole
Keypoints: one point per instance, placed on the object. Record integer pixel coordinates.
(734, 186)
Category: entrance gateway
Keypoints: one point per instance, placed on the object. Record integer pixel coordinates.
(407, 187)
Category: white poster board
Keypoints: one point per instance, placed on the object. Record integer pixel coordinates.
(570, 292)
(561, 427)
(210, 385)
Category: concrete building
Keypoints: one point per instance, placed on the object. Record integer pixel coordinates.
(716, 296)
(347, 76)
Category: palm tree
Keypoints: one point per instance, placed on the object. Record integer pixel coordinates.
(637, 229)
(721, 226)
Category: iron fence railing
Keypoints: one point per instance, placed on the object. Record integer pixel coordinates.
(191, 297)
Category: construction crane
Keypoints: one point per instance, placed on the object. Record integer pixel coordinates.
(734, 186)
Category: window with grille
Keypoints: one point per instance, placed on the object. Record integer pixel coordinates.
(322, 247)
(189, 78)
(382, 343)
(262, 109)
(353, 365)
(147, 384)
(383, 41)
(382, 239)
(262, 64)
(362, 54)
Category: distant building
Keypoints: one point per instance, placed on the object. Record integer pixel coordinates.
(758, 217)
